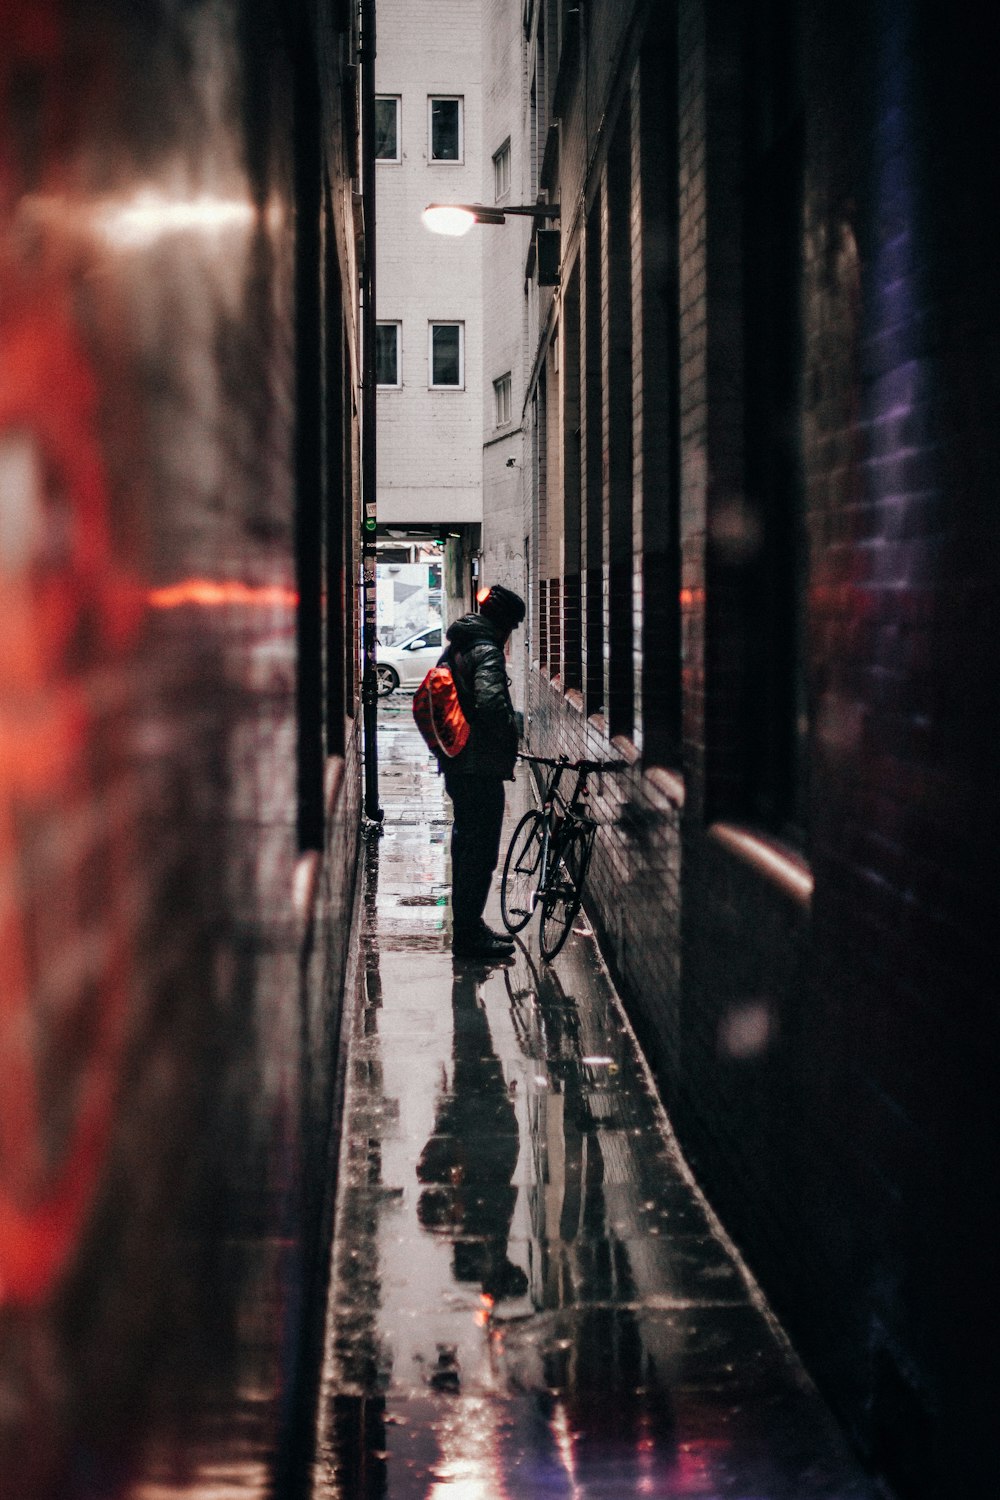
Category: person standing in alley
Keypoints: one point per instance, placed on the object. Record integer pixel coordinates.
(474, 779)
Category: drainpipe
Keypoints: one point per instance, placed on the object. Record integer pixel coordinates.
(369, 687)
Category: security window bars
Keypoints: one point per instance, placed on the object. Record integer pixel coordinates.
(387, 128)
(445, 123)
(447, 356)
(387, 363)
(501, 171)
(501, 396)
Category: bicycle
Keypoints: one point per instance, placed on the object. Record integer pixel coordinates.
(549, 854)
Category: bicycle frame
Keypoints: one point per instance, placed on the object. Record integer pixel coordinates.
(557, 812)
(562, 832)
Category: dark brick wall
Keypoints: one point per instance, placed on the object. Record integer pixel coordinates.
(809, 963)
(634, 879)
(174, 921)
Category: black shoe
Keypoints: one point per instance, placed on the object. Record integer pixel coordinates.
(498, 937)
(481, 945)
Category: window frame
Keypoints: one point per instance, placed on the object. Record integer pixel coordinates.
(503, 391)
(423, 643)
(391, 385)
(501, 155)
(759, 612)
(445, 323)
(398, 101)
(446, 161)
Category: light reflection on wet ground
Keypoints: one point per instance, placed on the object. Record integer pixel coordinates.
(528, 1296)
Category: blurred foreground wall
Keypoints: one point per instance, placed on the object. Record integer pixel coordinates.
(178, 751)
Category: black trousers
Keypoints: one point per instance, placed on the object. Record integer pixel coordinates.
(478, 803)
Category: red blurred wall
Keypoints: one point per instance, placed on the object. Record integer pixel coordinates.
(177, 451)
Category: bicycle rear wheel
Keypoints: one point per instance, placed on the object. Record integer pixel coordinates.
(521, 871)
(564, 888)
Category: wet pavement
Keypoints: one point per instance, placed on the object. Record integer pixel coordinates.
(530, 1297)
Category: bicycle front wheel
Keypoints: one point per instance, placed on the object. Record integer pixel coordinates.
(564, 888)
(521, 871)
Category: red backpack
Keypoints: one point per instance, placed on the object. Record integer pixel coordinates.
(439, 714)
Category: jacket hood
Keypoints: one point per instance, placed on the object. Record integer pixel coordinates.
(471, 630)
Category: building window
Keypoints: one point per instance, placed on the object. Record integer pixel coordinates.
(501, 396)
(445, 124)
(617, 457)
(447, 355)
(387, 128)
(572, 667)
(592, 402)
(501, 171)
(387, 361)
(659, 427)
(773, 574)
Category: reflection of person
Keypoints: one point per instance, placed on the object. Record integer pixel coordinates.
(474, 779)
(468, 1163)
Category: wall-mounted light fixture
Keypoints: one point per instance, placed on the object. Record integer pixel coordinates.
(458, 218)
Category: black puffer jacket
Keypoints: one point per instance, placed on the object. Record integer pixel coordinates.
(477, 660)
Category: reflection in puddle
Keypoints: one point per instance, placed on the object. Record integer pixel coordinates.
(468, 1163)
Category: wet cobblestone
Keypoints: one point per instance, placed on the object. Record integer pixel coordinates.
(530, 1297)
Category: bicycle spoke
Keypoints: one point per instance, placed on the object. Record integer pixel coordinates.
(521, 872)
(564, 889)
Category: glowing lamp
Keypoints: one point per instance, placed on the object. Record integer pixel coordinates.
(450, 219)
(458, 218)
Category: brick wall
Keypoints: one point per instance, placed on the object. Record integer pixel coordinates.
(430, 441)
(505, 453)
(634, 879)
(810, 976)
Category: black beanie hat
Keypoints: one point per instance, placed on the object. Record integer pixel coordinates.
(503, 607)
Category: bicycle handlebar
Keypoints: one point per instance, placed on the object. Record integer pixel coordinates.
(574, 765)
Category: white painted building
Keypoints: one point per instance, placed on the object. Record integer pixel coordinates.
(506, 180)
(429, 362)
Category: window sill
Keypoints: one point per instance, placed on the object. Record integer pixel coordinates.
(333, 783)
(770, 858)
(305, 889)
(625, 748)
(667, 783)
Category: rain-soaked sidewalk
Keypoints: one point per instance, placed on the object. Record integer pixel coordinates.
(529, 1297)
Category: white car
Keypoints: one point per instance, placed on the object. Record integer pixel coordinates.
(407, 662)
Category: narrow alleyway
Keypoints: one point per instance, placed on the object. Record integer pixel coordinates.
(529, 1297)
